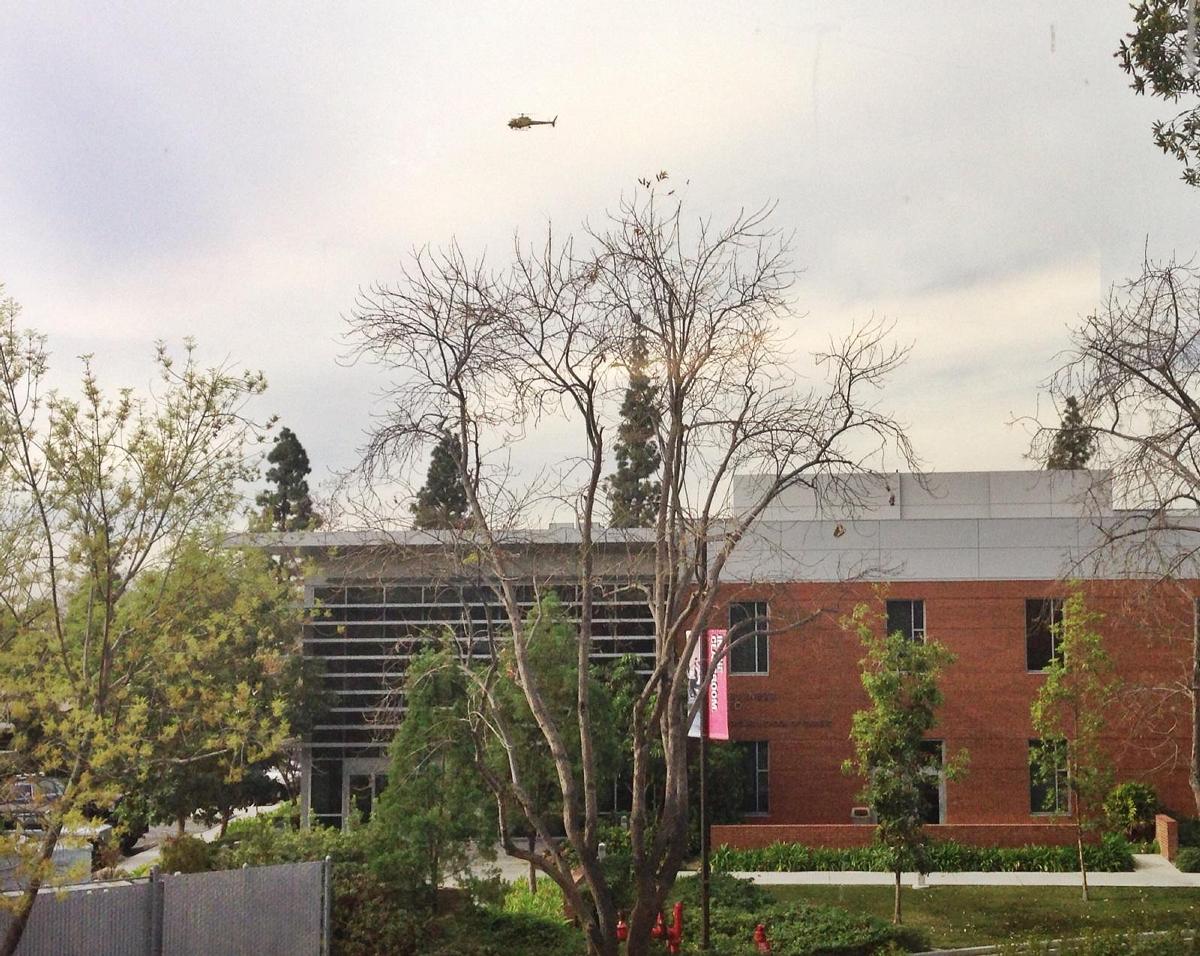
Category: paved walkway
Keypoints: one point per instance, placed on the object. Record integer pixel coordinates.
(150, 855)
(1149, 870)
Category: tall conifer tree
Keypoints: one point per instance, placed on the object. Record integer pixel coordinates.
(442, 500)
(1073, 442)
(287, 506)
(632, 489)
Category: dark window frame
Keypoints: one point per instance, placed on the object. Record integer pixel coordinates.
(752, 657)
(1040, 789)
(909, 617)
(756, 800)
(1043, 616)
(936, 775)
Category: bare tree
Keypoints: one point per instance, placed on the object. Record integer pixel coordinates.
(492, 356)
(1134, 369)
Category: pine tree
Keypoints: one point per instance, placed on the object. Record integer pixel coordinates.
(1073, 441)
(632, 491)
(287, 507)
(442, 501)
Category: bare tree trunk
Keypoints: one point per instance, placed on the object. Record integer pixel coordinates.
(896, 901)
(20, 916)
(532, 868)
(180, 825)
(226, 815)
(1082, 868)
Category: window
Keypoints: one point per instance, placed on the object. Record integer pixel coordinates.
(755, 788)
(933, 789)
(751, 655)
(907, 617)
(1043, 617)
(1048, 789)
(361, 788)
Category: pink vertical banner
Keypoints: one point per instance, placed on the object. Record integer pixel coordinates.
(718, 688)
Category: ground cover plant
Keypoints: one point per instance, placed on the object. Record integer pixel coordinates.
(1111, 855)
(794, 927)
(959, 916)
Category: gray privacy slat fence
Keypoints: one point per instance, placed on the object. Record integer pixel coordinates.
(260, 911)
(100, 922)
(247, 912)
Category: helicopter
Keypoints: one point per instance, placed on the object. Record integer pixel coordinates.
(524, 122)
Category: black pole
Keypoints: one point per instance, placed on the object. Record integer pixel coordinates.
(706, 691)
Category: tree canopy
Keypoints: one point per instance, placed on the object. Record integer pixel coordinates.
(442, 501)
(1159, 56)
(1069, 714)
(1072, 446)
(632, 491)
(891, 754)
(99, 491)
(287, 506)
(489, 352)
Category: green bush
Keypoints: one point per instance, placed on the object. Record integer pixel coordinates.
(186, 854)
(1187, 860)
(1111, 855)
(1130, 807)
(739, 905)
(804, 930)
(547, 902)
(1189, 831)
(724, 890)
(261, 841)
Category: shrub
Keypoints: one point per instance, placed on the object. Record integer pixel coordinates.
(1129, 808)
(1187, 860)
(260, 841)
(1112, 854)
(187, 854)
(547, 902)
(1189, 831)
(723, 890)
(805, 929)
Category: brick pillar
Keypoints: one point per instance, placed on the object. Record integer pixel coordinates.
(1166, 831)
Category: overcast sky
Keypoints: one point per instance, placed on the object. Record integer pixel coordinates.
(979, 173)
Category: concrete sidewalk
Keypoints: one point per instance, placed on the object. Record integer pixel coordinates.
(150, 856)
(1149, 870)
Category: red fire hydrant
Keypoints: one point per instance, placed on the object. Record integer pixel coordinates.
(675, 930)
(760, 939)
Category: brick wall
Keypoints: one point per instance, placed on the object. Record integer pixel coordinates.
(752, 836)
(803, 706)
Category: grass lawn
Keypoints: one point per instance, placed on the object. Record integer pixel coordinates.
(975, 915)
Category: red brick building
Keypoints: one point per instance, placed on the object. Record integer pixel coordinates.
(976, 561)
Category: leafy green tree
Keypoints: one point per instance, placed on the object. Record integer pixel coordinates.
(632, 491)
(1158, 56)
(226, 628)
(900, 676)
(97, 491)
(1069, 715)
(435, 807)
(1072, 446)
(287, 506)
(442, 501)
(554, 662)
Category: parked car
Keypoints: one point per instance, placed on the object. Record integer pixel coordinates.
(27, 799)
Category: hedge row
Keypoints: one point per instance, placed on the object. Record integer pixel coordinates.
(1111, 855)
